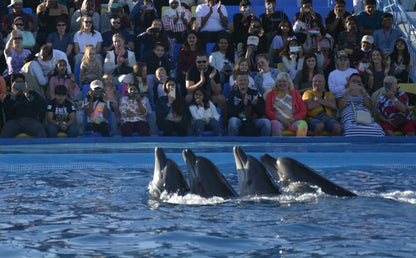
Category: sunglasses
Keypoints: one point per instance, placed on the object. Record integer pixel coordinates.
(116, 22)
(61, 25)
(88, 21)
(201, 62)
(17, 38)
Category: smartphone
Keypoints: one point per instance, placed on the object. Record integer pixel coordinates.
(294, 49)
(387, 86)
(154, 30)
(172, 93)
(149, 7)
(19, 86)
(306, 10)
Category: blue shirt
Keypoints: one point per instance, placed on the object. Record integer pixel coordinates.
(59, 44)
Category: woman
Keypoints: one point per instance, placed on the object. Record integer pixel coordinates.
(242, 65)
(400, 61)
(338, 78)
(14, 53)
(283, 33)
(374, 75)
(350, 38)
(393, 110)
(171, 111)
(62, 77)
(48, 12)
(285, 107)
(119, 61)
(28, 39)
(264, 80)
(87, 8)
(325, 56)
(87, 35)
(303, 79)
(356, 98)
(292, 57)
(147, 39)
(187, 57)
(61, 39)
(222, 57)
(175, 21)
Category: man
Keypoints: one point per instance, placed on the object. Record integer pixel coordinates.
(385, 37)
(8, 19)
(360, 57)
(320, 105)
(246, 110)
(205, 76)
(271, 19)
(335, 19)
(369, 20)
(391, 106)
(47, 58)
(115, 23)
(303, 20)
(24, 110)
(214, 19)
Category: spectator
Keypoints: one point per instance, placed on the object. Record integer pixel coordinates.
(207, 77)
(242, 21)
(393, 110)
(335, 19)
(356, 98)
(360, 57)
(338, 78)
(303, 79)
(349, 38)
(292, 57)
(204, 115)
(142, 16)
(87, 9)
(112, 96)
(214, 19)
(251, 51)
(28, 39)
(3, 89)
(256, 30)
(285, 108)
(87, 35)
(378, 68)
(325, 56)
(147, 40)
(60, 114)
(175, 21)
(24, 110)
(246, 110)
(223, 57)
(14, 52)
(119, 61)
(303, 20)
(114, 9)
(187, 57)
(385, 37)
(283, 34)
(133, 109)
(400, 61)
(270, 21)
(47, 59)
(369, 20)
(61, 76)
(320, 105)
(115, 24)
(62, 39)
(91, 67)
(97, 110)
(8, 19)
(171, 110)
(242, 65)
(267, 75)
(48, 12)
(314, 35)
(34, 76)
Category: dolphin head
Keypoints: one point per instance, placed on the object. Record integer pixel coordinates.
(240, 157)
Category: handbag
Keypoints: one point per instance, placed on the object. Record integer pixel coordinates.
(361, 116)
(398, 120)
(323, 115)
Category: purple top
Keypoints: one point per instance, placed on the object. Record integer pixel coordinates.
(15, 62)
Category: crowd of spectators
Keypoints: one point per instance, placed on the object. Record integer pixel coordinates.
(176, 67)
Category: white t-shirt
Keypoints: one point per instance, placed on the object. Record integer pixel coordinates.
(214, 21)
(277, 42)
(268, 81)
(84, 39)
(337, 80)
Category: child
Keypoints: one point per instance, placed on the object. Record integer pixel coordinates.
(91, 67)
(60, 114)
(161, 76)
(112, 95)
(97, 109)
(204, 114)
(133, 113)
(292, 57)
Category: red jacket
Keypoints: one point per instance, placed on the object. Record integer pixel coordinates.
(298, 106)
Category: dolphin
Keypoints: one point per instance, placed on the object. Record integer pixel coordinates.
(204, 177)
(290, 170)
(253, 177)
(167, 176)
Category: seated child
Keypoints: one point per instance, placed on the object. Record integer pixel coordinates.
(97, 110)
(133, 113)
(60, 114)
(161, 76)
(91, 67)
(204, 114)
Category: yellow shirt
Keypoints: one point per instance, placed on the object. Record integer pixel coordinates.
(310, 94)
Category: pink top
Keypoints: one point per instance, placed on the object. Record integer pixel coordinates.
(72, 89)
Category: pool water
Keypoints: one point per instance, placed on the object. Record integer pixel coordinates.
(77, 201)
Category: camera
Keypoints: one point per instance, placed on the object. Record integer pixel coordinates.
(19, 85)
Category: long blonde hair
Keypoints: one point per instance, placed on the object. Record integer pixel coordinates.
(87, 50)
(284, 76)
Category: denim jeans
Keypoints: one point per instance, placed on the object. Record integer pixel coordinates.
(53, 130)
(198, 126)
(262, 124)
